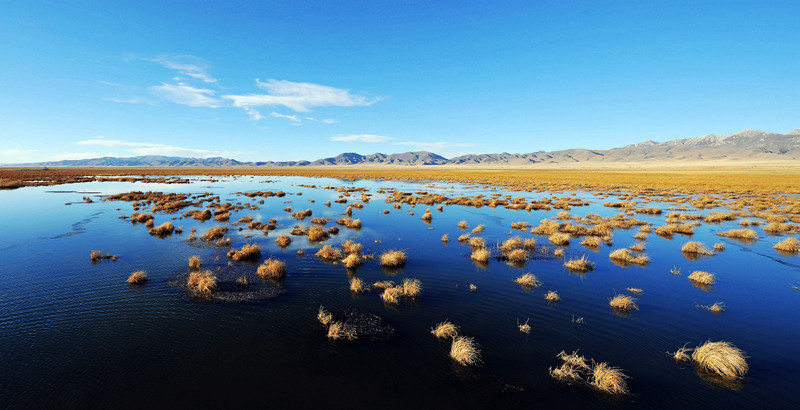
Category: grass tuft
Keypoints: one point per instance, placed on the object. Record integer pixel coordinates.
(272, 269)
(702, 277)
(623, 303)
(137, 278)
(608, 379)
(721, 358)
(528, 280)
(552, 296)
(445, 330)
(329, 253)
(393, 259)
(579, 265)
(465, 351)
(195, 263)
(324, 316)
(202, 283)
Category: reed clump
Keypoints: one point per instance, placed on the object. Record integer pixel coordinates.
(195, 263)
(358, 286)
(340, 330)
(702, 278)
(524, 327)
(788, 245)
(272, 269)
(411, 287)
(696, 248)
(214, 233)
(392, 295)
(324, 317)
(591, 242)
(283, 241)
(517, 256)
(354, 224)
(608, 379)
(350, 247)
(573, 368)
(721, 358)
(393, 259)
(559, 239)
(248, 252)
(137, 278)
(635, 291)
(741, 234)
(481, 255)
(552, 296)
(465, 351)
(445, 238)
(329, 253)
(162, 230)
(202, 283)
(445, 330)
(623, 303)
(351, 261)
(528, 280)
(478, 230)
(316, 233)
(717, 307)
(579, 265)
(625, 257)
(477, 243)
(462, 225)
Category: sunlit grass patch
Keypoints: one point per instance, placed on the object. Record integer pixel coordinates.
(137, 278)
(214, 233)
(248, 252)
(528, 280)
(340, 330)
(283, 241)
(358, 286)
(635, 291)
(481, 255)
(742, 234)
(411, 287)
(696, 248)
(624, 257)
(202, 283)
(445, 330)
(702, 277)
(717, 307)
(272, 269)
(393, 258)
(721, 358)
(579, 265)
(788, 245)
(478, 230)
(195, 263)
(329, 253)
(559, 239)
(323, 316)
(351, 261)
(623, 303)
(608, 379)
(162, 230)
(350, 247)
(524, 327)
(465, 351)
(552, 296)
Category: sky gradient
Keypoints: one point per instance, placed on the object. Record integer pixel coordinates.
(292, 80)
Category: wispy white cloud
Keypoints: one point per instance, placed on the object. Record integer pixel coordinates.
(12, 155)
(254, 114)
(330, 121)
(361, 138)
(292, 118)
(300, 97)
(181, 93)
(433, 146)
(147, 148)
(191, 66)
(128, 94)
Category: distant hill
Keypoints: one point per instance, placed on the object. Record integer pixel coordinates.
(741, 146)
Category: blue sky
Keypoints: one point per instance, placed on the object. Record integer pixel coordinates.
(290, 80)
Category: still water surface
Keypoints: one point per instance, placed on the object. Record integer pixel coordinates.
(74, 335)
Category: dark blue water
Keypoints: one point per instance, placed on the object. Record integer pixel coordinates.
(74, 335)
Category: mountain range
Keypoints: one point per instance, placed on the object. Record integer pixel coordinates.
(746, 145)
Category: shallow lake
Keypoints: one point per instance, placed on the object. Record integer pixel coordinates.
(74, 334)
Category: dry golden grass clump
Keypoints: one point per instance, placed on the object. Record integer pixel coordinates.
(445, 238)
(519, 225)
(329, 253)
(777, 227)
(316, 233)
(427, 216)
(478, 230)
(462, 225)
(202, 283)
(743, 234)
(719, 247)
(393, 258)
(350, 247)
(517, 256)
(675, 271)
(591, 242)
(559, 239)
(392, 295)
(272, 268)
(411, 287)
(247, 253)
(339, 330)
(481, 255)
(163, 229)
(696, 248)
(670, 229)
(137, 278)
(283, 241)
(681, 354)
(572, 370)
(702, 277)
(354, 224)
(320, 221)
(214, 233)
(524, 327)
(624, 256)
(324, 316)
(638, 247)
(579, 265)
(635, 291)
(623, 303)
(383, 284)
(465, 351)
(463, 237)
(96, 255)
(788, 245)
(472, 287)
(717, 307)
(529, 243)
(357, 286)
(552, 296)
(194, 263)
(608, 379)
(445, 330)
(721, 358)
(352, 260)
(510, 244)
(528, 280)
(477, 243)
